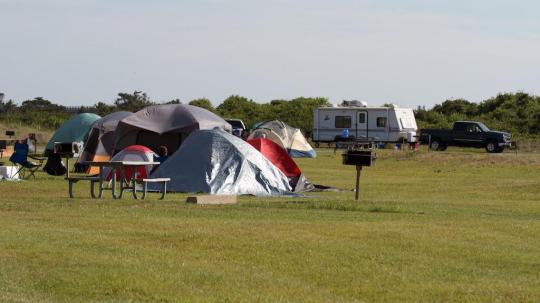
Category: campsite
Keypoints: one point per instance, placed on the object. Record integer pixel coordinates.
(269, 151)
(429, 225)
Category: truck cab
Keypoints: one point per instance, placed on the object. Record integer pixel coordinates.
(238, 126)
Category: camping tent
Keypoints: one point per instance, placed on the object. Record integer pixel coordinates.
(133, 153)
(285, 136)
(216, 162)
(279, 157)
(74, 130)
(167, 125)
(99, 145)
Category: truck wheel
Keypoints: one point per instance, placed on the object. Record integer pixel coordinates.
(435, 144)
(491, 147)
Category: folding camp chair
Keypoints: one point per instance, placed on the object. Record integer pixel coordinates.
(26, 169)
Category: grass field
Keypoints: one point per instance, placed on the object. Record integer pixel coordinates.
(455, 226)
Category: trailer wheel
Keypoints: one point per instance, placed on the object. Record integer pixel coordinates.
(317, 144)
(436, 145)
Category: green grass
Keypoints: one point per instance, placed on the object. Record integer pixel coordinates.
(452, 226)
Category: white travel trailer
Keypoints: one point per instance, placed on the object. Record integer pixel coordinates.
(367, 124)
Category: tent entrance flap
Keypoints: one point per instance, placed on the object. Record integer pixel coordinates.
(152, 140)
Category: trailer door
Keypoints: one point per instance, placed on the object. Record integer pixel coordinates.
(361, 125)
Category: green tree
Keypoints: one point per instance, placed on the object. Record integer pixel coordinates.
(238, 107)
(40, 104)
(204, 103)
(132, 102)
(103, 109)
(299, 112)
(7, 107)
(457, 106)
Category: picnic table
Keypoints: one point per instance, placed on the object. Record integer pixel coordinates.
(125, 183)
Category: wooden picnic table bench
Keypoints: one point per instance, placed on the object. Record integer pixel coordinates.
(93, 179)
(125, 184)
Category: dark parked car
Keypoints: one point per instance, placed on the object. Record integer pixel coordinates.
(238, 126)
(466, 134)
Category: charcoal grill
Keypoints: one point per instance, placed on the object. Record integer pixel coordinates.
(359, 158)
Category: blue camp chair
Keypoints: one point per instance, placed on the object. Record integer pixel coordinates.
(19, 158)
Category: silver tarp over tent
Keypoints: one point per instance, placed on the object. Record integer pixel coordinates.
(167, 125)
(216, 162)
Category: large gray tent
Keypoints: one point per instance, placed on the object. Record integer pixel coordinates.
(216, 162)
(167, 125)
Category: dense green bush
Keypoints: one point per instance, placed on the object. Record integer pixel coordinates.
(518, 113)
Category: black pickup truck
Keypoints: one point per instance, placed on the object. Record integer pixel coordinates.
(466, 134)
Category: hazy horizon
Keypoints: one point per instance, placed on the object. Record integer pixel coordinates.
(409, 53)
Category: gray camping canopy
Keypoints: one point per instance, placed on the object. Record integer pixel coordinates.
(216, 162)
(167, 125)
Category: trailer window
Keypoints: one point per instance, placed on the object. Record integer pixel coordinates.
(362, 118)
(343, 121)
(381, 121)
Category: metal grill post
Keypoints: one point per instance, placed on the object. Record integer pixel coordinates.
(358, 170)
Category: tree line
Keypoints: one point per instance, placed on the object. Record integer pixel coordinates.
(518, 112)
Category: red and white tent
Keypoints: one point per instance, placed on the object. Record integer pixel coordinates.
(281, 159)
(277, 155)
(133, 153)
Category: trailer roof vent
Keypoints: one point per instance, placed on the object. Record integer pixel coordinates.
(354, 103)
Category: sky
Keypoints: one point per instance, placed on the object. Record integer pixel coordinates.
(408, 53)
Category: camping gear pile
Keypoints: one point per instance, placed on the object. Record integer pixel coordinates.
(203, 154)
